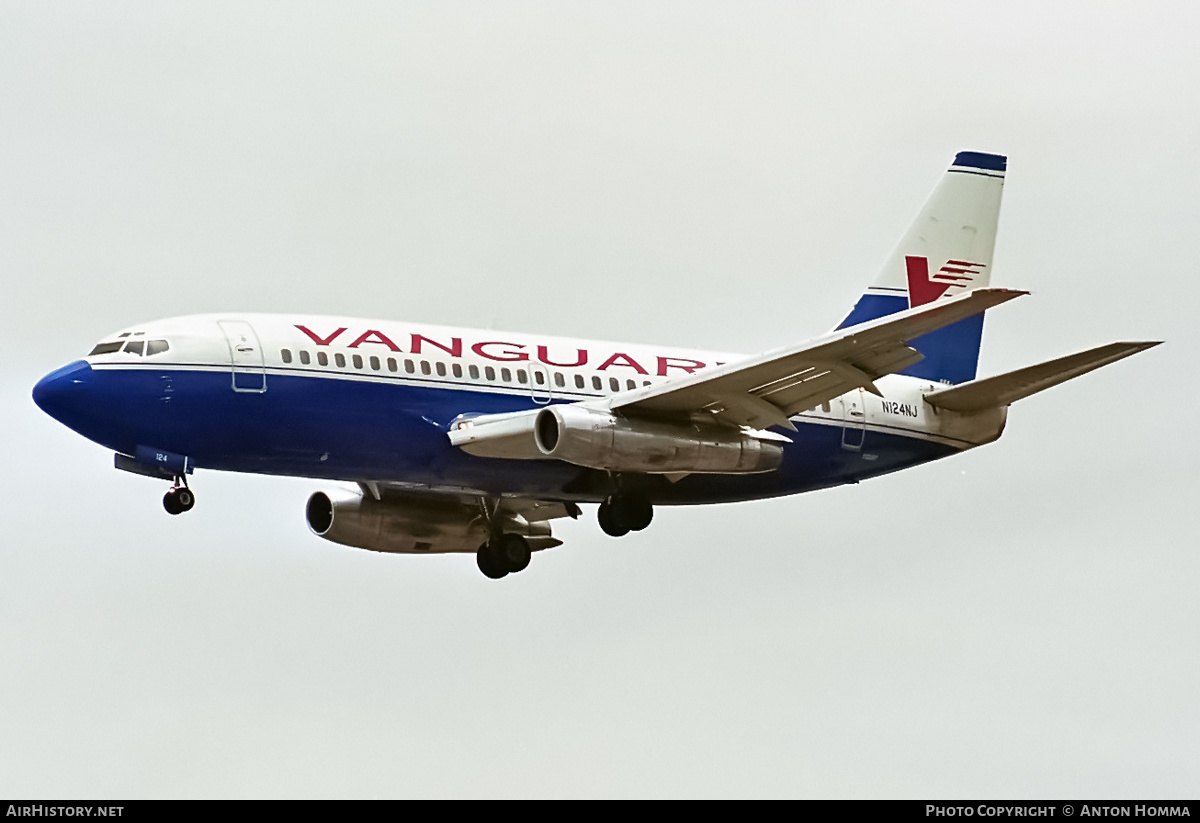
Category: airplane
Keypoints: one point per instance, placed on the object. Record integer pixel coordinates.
(472, 441)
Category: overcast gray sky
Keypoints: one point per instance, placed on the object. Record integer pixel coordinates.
(1019, 621)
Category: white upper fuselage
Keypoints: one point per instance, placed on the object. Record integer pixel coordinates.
(540, 367)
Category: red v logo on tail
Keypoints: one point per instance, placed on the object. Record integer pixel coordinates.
(921, 288)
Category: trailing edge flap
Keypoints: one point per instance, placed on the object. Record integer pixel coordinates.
(764, 390)
(529, 509)
(1012, 386)
(533, 510)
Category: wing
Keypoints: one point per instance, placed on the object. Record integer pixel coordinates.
(765, 390)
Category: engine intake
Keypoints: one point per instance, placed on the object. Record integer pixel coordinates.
(600, 439)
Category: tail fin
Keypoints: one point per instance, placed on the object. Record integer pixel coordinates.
(946, 251)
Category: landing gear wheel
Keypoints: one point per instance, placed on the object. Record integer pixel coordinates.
(512, 551)
(610, 522)
(621, 514)
(633, 510)
(171, 502)
(488, 563)
(179, 499)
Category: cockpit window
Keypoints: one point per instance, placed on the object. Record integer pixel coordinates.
(138, 347)
(105, 348)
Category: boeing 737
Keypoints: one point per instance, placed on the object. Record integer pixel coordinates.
(473, 441)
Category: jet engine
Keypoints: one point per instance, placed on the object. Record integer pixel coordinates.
(411, 523)
(599, 439)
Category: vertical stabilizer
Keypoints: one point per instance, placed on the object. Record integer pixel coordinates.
(947, 250)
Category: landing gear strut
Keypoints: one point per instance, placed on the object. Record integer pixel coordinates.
(179, 498)
(621, 514)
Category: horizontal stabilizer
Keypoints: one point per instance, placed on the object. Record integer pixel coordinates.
(1004, 389)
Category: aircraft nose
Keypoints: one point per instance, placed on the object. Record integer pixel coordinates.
(59, 392)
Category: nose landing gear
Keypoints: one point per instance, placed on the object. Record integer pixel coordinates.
(179, 498)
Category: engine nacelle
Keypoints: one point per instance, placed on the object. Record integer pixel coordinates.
(600, 439)
(410, 523)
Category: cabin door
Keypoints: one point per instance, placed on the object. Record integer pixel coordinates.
(245, 356)
(854, 420)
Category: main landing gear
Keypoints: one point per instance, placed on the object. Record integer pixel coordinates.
(621, 514)
(503, 554)
(179, 498)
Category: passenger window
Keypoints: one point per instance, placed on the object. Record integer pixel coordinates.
(506, 375)
(521, 376)
(286, 354)
(474, 372)
(614, 384)
(457, 370)
(358, 361)
(559, 380)
(409, 367)
(489, 372)
(374, 363)
(596, 383)
(392, 364)
(579, 381)
(157, 347)
(135, 347)
(305, 358)
(322, 358)
(425, 367)
(340, 359)
(539, 378)
(441, 369)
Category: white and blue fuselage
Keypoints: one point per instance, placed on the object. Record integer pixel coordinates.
(349, 399)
